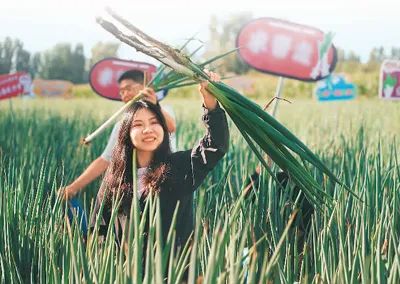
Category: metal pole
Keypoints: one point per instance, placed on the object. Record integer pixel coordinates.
(278, 92)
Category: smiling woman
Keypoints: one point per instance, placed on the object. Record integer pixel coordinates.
(143, 130)
(146, 134)
(142, 165)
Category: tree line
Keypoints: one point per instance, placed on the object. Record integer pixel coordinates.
(62, 62)
(67, 62)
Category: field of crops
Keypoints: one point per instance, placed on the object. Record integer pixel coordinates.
(237, 238)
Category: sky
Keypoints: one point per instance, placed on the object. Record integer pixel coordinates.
(40, 24)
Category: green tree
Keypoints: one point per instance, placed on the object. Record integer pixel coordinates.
(395, 53)
(353, 57)
(103, 50)
(22, 60)
(62, 63)
(376, 57)
(223, 38)
(78, 65)
(13, 56)
(6, 55)
(347, 61)
(35, 65)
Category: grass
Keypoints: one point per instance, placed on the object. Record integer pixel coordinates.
(237, 239)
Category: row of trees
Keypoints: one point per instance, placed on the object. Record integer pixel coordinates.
(66, 62)
(350, 61)
(63, 61)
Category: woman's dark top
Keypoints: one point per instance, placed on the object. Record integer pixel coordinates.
(187, 171)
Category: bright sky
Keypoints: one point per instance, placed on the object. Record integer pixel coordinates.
(358, 25)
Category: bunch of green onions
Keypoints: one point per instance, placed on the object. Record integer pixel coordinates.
(257, 126)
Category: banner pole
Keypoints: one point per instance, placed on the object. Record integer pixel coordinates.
(278, 92)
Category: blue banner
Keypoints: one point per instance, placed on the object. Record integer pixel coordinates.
(335, 87)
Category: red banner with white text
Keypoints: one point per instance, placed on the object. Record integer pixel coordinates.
(12, 85)
(286, 49)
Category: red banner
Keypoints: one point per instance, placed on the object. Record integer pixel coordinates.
(286, 49)
(103, 77)
(12, 85)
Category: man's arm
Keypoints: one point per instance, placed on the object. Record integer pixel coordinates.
(95, 169)
(170, 121)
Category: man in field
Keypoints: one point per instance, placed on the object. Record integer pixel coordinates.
(131, 84)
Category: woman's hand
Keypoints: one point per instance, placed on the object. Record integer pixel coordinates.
(209, 100)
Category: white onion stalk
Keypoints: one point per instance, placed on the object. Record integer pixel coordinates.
(110, 121)
(126, 32)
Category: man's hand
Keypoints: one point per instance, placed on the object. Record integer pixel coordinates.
(149, 95)
(66, 193)
(95, 169)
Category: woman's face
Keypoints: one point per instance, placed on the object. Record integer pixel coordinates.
(146, 131)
